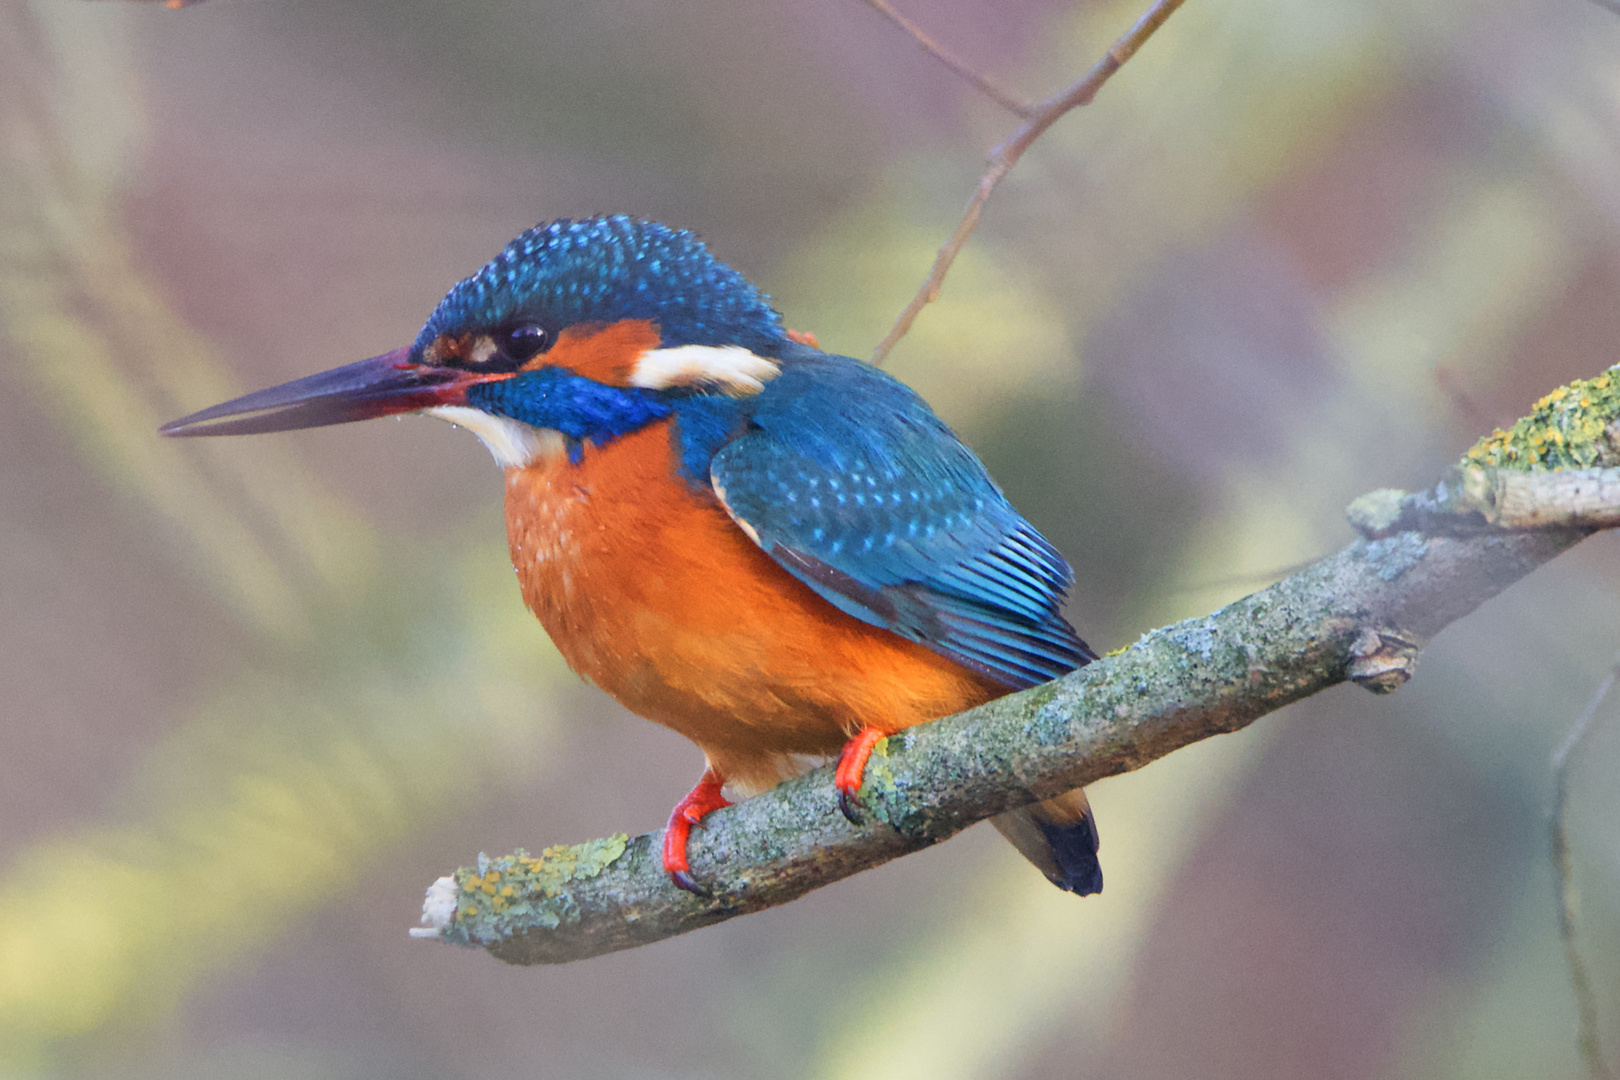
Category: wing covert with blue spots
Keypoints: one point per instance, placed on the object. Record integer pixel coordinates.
(849, 481)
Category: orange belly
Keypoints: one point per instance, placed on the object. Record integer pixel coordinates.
(653, 593)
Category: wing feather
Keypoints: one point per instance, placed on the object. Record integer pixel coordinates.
(849, 481)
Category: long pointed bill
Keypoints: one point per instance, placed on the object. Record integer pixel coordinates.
(381, 386)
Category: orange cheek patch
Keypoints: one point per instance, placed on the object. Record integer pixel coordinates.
(603, 352)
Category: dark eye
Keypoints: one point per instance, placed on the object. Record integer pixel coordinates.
(520, 344)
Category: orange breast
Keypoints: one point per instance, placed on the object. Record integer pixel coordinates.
(653, 593)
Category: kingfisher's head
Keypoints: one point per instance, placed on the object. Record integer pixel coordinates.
(577, 331)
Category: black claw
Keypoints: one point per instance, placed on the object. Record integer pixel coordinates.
(683, 880)
(851, 808)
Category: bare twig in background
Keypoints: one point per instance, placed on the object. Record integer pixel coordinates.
(1011, 102)
(1254, 579)
(1005, 156)
(1580, 980)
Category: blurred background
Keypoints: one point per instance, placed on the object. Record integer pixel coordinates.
(255, 695)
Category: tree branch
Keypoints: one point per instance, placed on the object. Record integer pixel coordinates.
(1553, 468)
(1006, 155)
(1175, 686)
(1474, 497)
(1011, 102)
(1360, 615)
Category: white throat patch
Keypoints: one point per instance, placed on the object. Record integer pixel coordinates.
(730, 369)
(510, 442)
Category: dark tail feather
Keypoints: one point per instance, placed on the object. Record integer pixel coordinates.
(1060, 837)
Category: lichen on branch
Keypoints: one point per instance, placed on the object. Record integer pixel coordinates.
(1558, 466)
(1574, 427)
(504, 895)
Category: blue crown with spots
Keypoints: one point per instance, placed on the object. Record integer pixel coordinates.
(605, 269)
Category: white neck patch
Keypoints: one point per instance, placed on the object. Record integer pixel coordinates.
(510, 442)
(731, 369)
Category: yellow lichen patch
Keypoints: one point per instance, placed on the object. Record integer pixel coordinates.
(571, 862)
(1569, 428)
(520, 890)
(878, 782)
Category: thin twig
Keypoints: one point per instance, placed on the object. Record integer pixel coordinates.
(1580, 980)
(1005, 156)
(1011, 102)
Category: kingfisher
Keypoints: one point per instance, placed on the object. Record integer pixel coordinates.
(781, 553)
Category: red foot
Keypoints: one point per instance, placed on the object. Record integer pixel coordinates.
(705, 797)
(852, 770)
(804, 337)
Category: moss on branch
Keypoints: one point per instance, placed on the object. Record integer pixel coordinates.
(1557, 466)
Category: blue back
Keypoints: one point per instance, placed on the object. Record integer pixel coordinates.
(854, 486)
